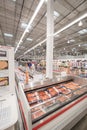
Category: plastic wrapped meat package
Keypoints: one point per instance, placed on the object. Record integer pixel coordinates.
(43, 95)
(48, 104)
(62, 98)
(84, 89)
(31, 97)
(52, 92)
(72, 86)
(37, 114)
(80, 91)
(34, 109)
(70, 95)
(63, 90)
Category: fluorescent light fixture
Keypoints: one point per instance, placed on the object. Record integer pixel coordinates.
(72, 23)
(64, 48)
(79, 45)
(68, 41)
(21, 41)
(85, 45)
(30, 22)
(83, 31)
(80, 23)
(14, 0)
(39, 44)
(72, 40)
(8, 35)
(61, 30)
(24, 25)
(29, 39)
(74, 48)
(55, 13)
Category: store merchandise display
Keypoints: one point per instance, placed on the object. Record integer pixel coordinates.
(43, 100)
(73, 67)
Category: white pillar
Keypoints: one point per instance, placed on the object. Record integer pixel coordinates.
(49, 44)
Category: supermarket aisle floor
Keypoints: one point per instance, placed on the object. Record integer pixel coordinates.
(81, 125)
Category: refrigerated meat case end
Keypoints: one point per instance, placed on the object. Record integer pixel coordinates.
(42, 102)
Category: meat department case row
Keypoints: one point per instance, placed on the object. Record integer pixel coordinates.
(42, 101)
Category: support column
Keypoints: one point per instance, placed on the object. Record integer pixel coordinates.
(49, 44)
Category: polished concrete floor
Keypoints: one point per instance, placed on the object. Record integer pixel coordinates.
(81, 125)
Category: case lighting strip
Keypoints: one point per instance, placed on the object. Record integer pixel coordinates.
(59, 31)
(29, 24)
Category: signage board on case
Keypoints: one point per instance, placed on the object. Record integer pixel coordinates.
(7, 83)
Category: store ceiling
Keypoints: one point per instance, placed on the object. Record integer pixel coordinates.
(15, 14)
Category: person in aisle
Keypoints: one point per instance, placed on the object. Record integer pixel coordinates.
(33, 68)
(38, 67)
(27, 74)
(29, 64)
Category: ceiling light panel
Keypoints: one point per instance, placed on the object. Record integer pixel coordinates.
(56, 15)
(72, 23)
(30, 22)
(23, 25)
(14, 0)
(29, 39)
(72, 40)
(85, 45)
(80, 23)
(83, 31)
(61, 30)
(8, 35)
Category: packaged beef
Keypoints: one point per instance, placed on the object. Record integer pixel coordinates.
(63, 90)
(48, 104)
(37, 114)
(62, 98)
(32, 97)
(78, 92)
(52, 92)
(35, 109)
(70, 95)
(72, 83)
(43, 95)
(72, 86)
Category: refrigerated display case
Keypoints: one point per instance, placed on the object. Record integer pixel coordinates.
(63, 100)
